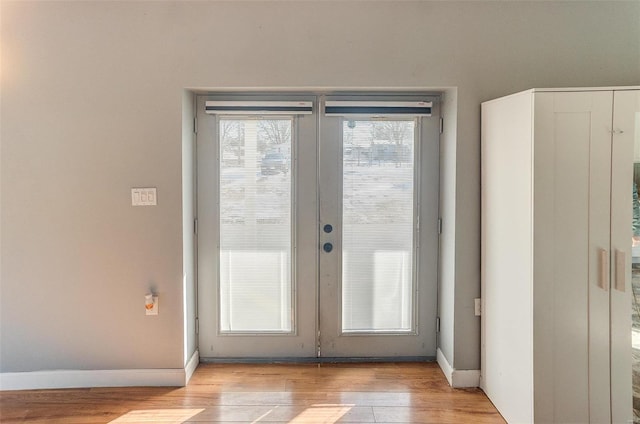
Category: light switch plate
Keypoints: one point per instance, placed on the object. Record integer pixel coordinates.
(145, 196)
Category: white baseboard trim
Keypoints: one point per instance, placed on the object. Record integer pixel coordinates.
(191, 366)
(70, 379)
(444, 365)
(67, 379)
(458, 378)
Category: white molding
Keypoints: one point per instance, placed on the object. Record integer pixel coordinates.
(458, 378)
(191, 366)
(66, 379)
(69, 379)
(444, 365)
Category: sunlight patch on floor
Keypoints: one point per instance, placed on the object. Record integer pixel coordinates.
(261, 417)
(322, 413)
(176, 416)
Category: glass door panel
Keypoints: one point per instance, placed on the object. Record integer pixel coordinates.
(378, 218)
(255, 225)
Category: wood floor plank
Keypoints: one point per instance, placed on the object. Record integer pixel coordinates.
(258, 393)
(434, 415)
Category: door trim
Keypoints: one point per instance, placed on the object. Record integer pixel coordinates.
(202, 315)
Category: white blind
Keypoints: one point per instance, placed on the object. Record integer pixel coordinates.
(378, 226)
(255, 225)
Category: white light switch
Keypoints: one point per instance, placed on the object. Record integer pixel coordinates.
(144, 196)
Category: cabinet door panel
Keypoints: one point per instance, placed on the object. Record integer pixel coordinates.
(626, 136)
(572, 183)
(599, 239)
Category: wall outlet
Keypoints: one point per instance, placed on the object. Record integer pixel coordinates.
(151, 304)
(478, 307)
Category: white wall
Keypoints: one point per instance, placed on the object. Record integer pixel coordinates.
(447, 263)
(188, 216)
(92, 106)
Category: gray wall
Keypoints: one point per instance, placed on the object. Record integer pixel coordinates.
(92, 97)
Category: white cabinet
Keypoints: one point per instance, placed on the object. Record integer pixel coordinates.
(557, 172)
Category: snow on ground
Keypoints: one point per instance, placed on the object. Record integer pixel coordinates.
(375, 194)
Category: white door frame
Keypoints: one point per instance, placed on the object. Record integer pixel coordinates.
(305, 340)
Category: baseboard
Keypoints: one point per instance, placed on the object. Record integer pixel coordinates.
(458, 378)
(67, 379)
(191, 366)
(444, 366)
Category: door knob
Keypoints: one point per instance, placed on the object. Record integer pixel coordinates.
(327, 247)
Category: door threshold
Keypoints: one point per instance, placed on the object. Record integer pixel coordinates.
(295, 360)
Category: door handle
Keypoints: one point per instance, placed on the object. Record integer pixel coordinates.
(603, 271)
(327, 247)
(621, 272)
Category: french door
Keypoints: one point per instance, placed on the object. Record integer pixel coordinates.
(317, 226)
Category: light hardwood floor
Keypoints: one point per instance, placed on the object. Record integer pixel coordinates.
(241, 393)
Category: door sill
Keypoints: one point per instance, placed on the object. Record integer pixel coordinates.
(313, 360)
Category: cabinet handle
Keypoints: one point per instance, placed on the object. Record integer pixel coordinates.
(621, 272)
(603, 271)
